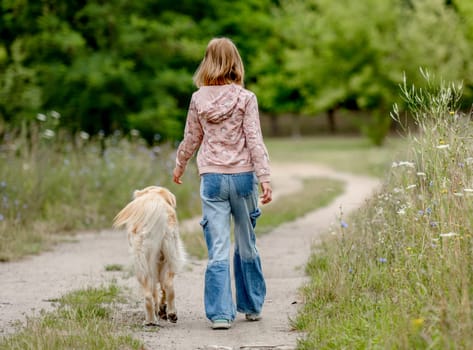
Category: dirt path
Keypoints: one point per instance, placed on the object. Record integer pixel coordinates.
(26, 286)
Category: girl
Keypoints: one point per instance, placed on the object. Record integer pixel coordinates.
(223, 123)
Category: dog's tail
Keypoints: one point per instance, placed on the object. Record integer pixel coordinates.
(142, 216)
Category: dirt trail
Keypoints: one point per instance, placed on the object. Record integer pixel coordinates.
(28, 286)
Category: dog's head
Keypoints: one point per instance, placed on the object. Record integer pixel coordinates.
(161, 191)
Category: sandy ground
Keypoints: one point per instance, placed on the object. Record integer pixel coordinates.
(28, 286)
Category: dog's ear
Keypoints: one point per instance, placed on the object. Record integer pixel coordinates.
(138, 193)
(169, 197)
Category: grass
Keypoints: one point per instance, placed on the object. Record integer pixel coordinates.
(400, 275)
(83, 319)
(349, 154)
(50, 188)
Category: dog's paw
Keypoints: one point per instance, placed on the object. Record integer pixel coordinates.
(162, 313)
(172, 318)
(150, 324)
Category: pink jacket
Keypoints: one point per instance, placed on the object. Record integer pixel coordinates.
(223, 120)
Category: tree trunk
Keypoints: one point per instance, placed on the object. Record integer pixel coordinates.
(331, 121)
(273, 124)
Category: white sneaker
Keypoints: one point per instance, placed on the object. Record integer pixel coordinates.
(221, 324)
(253, 317)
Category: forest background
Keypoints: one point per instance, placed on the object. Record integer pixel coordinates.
(103, 67)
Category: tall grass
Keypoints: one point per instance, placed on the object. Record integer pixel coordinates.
(52, 183)
(400, 275)
(83, 319)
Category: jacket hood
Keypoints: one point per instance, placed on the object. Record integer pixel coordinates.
(216, 103)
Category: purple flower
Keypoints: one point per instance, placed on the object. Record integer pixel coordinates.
(343, 224)
(383, 260)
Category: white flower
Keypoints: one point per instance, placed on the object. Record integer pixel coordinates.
(470, 190)
(401, 211)
(48, 134)
(55, 115)
(421, 174)
(442, 146)
(411, 187)
(84, 135)
(448, 234)
(41, 117)
(403, 163)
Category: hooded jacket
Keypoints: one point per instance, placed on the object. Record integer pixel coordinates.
(223, 123)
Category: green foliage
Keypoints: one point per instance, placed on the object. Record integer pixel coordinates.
(400, 273)
(121, 65)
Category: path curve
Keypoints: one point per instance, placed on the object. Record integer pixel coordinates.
(30, 284)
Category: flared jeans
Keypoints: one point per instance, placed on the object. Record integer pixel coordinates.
(227, 196)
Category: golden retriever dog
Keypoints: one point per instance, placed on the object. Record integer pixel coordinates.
(157, 250)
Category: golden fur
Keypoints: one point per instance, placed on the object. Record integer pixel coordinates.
(153, 235)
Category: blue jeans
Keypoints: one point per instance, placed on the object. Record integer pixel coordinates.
(226, 196)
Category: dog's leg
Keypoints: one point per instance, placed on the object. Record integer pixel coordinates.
(162, 305)
(168, 287)
(147, 286)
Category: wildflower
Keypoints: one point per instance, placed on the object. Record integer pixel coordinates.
(41, 117)
(84, 135)
(350, 270)
(428, 210)
(458, 194)
(420, 174)
(448, 234)
(443, 146)
(55, 115)
(343, 224)
(403, 163)
(411, 187)
(417, 322)
(401, 211)
(468, 190)
(383, 260)
(452, 112)
(433, 224)
(431, 183)
(420, 212)
(48, 134)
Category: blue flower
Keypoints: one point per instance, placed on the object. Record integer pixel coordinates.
(421, 212)
(383, 260)
(343, 224)
(433, 224)
(428, 210)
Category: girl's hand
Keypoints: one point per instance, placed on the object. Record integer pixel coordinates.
(176, 175)
(267, 194)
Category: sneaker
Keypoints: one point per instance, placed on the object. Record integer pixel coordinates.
(253, 317)
(221, 324)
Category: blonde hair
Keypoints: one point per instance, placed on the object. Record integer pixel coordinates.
(221, 65)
